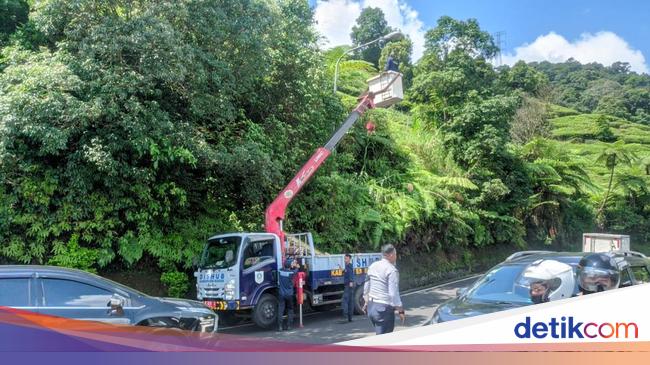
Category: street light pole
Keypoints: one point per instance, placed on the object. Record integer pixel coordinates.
(387, 37)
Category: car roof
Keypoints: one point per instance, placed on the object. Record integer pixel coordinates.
(527, 257)
(64, 272)
(42, 269)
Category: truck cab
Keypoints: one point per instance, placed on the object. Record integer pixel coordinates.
(236, 269)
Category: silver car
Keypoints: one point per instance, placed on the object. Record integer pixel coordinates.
(80, 295)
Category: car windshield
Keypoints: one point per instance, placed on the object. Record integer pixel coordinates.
(501, 284)
(505, 283)
(221, 253)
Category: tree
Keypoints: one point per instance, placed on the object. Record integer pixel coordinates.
(461, 36)
(455, 78)
(612, 156)
(524, 77)
(530, 121)
(13, 13)
(602, 131)
(558, 184)
(370, 25)
(115, 152)
(454, 66)
(613, 105)
(620, 68)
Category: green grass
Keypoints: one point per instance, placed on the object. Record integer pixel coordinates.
(556, 111)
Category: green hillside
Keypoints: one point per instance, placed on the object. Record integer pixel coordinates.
(578, 136)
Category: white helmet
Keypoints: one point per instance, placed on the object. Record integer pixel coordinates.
(555, 276)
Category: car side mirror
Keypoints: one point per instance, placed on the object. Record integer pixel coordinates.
(116, 304)
(461, 291)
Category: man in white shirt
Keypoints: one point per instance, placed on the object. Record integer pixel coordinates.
(381, 292)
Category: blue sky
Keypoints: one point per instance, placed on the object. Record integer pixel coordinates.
(590, 31)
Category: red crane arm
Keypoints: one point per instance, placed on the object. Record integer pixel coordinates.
(276, 210)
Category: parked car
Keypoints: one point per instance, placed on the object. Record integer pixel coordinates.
(81, 295)
(502, 287)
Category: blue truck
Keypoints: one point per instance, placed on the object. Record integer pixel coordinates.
(237, 275)
(237, 272)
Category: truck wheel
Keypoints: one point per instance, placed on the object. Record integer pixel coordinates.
(358, 300)
(265, 313)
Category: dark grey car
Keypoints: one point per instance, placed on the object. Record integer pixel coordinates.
(80, 295)
(502, 287)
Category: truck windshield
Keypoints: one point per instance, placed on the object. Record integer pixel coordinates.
(221, 253)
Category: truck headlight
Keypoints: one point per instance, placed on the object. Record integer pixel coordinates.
(229, 290)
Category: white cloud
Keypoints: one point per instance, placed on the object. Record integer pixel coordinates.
(335, 19)
(602, 47)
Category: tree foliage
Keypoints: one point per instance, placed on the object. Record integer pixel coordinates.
(142, 127)
(370, 25)
(612, 90)
(13, 14)
(530, 121)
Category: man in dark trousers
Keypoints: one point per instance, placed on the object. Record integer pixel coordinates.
(381, 292)
(391, 65)
(285, 299)
(348, 292)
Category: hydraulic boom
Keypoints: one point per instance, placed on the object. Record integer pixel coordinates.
(276, 211)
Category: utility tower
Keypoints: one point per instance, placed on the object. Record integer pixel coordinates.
(500, 40)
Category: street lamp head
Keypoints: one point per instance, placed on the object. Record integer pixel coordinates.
(388, 37)
(392, 36)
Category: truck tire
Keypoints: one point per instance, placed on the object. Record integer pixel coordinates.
(265, 313)
(358, 300)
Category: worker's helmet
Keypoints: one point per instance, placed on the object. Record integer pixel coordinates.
(549, 280)
(598, 272)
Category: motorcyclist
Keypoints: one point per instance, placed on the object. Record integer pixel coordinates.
(549, 280)
(598, 272)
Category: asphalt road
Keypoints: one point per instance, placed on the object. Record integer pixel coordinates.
(324, 327)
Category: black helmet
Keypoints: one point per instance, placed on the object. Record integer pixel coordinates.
(598, 272)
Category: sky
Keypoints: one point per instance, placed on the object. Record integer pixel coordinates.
(551, 30)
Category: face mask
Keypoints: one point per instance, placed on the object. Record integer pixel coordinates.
(537, 299)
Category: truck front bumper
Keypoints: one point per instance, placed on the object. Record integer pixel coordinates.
(222, 305)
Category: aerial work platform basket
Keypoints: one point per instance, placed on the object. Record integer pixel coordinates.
(387, 88)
